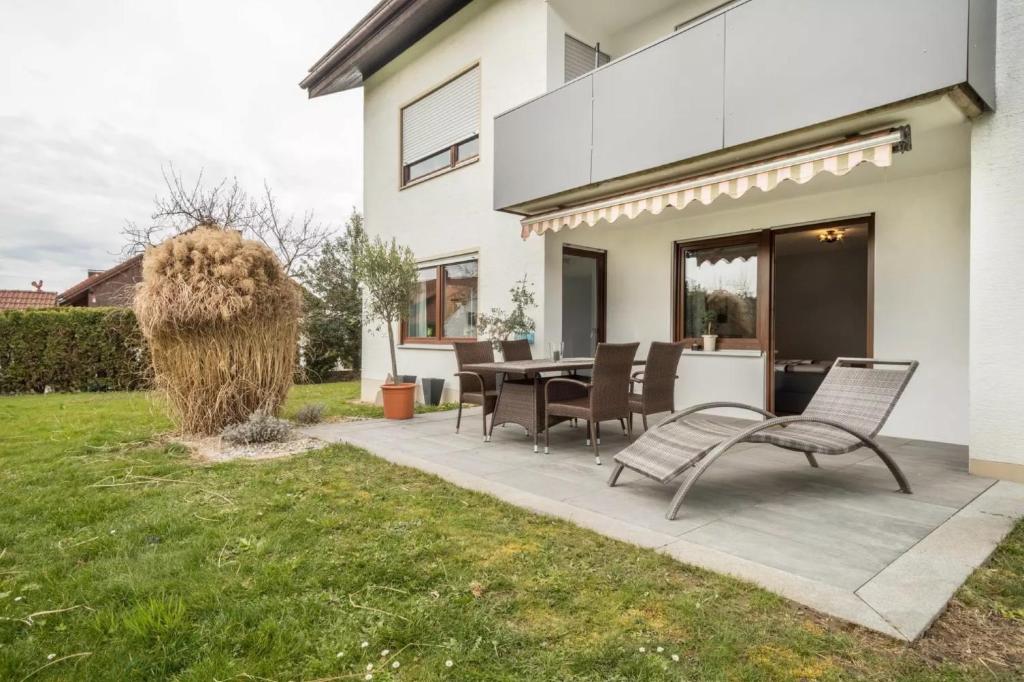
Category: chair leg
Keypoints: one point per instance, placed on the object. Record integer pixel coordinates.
(643, 417)
(547, 433)
(893, 467)
(593, 439)
(811, 459)
(622, 423)
(629, 429)
(483, 412)
(458, 417)
(590, 430)
(698, 470)
(597, 430)
(615, 474)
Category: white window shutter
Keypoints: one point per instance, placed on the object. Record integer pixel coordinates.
(443, 118)
(580, 58)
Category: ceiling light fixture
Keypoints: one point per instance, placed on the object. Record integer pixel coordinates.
(832, 236)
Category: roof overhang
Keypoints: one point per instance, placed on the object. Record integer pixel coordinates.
(389, 29)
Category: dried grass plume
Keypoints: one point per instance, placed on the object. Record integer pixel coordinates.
(221, 318)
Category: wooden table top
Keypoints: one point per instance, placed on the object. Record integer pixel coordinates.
(531, 367)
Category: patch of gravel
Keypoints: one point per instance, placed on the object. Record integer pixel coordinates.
(215, 449)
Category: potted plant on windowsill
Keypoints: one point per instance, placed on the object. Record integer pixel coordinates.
(387, 272)
(500, 326)
(710, 338)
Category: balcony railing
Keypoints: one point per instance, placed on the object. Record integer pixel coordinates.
(762, 68)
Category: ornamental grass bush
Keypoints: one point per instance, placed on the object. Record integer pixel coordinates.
(222, 321)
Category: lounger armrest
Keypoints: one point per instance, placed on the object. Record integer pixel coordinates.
(563, 380)
(710, 406)
(637, 375)
(474, 375)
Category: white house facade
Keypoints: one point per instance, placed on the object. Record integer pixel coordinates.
(808, 179)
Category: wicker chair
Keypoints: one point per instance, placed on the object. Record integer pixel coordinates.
(658, 379)
(517, 349)
(511, 351)
(846, 413)
(607, 394)
(475, 388)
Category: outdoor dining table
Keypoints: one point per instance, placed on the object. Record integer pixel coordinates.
(521, 396)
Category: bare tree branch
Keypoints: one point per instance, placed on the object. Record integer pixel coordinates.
(227, 205)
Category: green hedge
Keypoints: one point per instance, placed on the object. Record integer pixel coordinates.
(72, 349)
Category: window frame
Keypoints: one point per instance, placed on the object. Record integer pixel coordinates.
(439, 302)
(454, 162)
(762, 240)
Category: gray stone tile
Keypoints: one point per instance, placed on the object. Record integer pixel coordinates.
(818, 522)
(912, 591)
(804, 557)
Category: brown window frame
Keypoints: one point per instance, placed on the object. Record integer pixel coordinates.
(439, 308)
(453, 162)
(762, 239)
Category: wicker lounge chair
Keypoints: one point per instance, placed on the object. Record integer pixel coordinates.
(607, 395)
(658, 379)
(846, 413)
(475, 388)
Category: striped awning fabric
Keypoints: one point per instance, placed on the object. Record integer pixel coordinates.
(838, 159)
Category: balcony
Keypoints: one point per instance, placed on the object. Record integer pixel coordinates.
(751, 71)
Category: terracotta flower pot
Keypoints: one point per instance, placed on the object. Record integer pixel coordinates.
(398, 400)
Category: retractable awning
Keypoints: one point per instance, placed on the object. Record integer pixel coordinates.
(800, 166)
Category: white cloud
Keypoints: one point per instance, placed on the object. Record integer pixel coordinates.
(96, 96)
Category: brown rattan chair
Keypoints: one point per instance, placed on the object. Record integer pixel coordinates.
(517, 349)
(475, 388)
(514, 350)
(607, 395)
(658, 380)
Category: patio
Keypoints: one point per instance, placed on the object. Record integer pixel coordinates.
(837, 539)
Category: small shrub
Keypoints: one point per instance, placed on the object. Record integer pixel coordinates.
(260, 427)
(313, 413)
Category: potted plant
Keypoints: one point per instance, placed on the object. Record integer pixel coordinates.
(709, 320)
(517, 324)
(387, 272)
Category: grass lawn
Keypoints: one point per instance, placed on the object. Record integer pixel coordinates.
(342, 400)
(123, 559)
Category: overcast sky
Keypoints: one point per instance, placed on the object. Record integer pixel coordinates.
(96, 96)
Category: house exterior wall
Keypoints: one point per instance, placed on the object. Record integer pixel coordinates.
(452, 212)
(997, 251)
(920, 276)
(117, 291)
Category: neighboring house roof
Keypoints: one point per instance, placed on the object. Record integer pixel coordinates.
(97, 277)
(390, 28)
(11, 299)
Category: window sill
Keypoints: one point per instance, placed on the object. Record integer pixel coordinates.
(439, 173)
(729, 352)
(425, 346)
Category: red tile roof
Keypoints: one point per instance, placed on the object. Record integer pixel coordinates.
(11, 299)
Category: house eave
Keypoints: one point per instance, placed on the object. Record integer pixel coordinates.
(390, 28)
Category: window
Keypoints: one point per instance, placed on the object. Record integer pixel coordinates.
(581, 58)
(444, 307)
(721, 284)
(441, 130)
